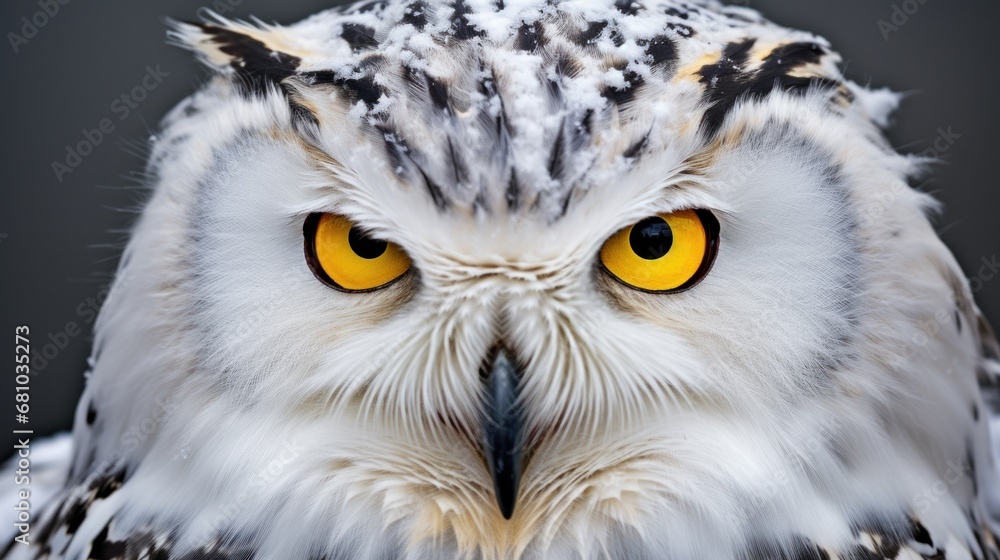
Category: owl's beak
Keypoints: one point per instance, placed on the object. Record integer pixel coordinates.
(502, 442)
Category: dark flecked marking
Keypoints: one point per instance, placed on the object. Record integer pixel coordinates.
(103, 549)
(414, 76)
(488, 88)
(564, 207)
(979, 540)
(372, 63)
(661, 50)
(627, 7)
(72, 515)
(970, 460)
(990, 551)
(685, 31)
(567, 66)
(363, 89)
(395, 148)
(513, 193)
(633, 151)
(105, 486)
(734, 57)
(144, 545)
(920, 533)
(892, 535)
(529, 37)
(676, 13)
(728, 82)
(503, 126)
(461, 28)
(415, 14)
(739, 16)
(581, 131)
(75, 515)
(633, 82)
(616, 37)
(91, 413)
(437, 195)
(554, 87)
(257, 67)
(438, 92)
(557, 157)
(359, 37)
(793, 55)
(593, 31)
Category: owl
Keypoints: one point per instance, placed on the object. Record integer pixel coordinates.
(525, 279)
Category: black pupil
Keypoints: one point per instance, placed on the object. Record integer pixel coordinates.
(651, 238)
(364, 246)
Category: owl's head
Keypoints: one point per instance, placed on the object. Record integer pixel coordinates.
(545, 262)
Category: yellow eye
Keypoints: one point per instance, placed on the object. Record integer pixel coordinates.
(664, 253)
(345, 257)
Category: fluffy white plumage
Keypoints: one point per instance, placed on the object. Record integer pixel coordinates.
(816, 395)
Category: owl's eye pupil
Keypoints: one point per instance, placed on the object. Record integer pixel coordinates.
(651, 238)
(364, 246)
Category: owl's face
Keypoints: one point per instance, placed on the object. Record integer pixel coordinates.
(546, 263)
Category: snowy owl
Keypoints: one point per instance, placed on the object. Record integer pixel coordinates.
(525, 279)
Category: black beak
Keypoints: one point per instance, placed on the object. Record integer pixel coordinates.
(502, 427)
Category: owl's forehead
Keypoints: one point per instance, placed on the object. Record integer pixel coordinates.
(528, 102)
(429, 34)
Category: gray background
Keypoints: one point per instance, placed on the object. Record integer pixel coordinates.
(59, 241)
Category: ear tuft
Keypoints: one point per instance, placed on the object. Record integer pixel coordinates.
(259, 56)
